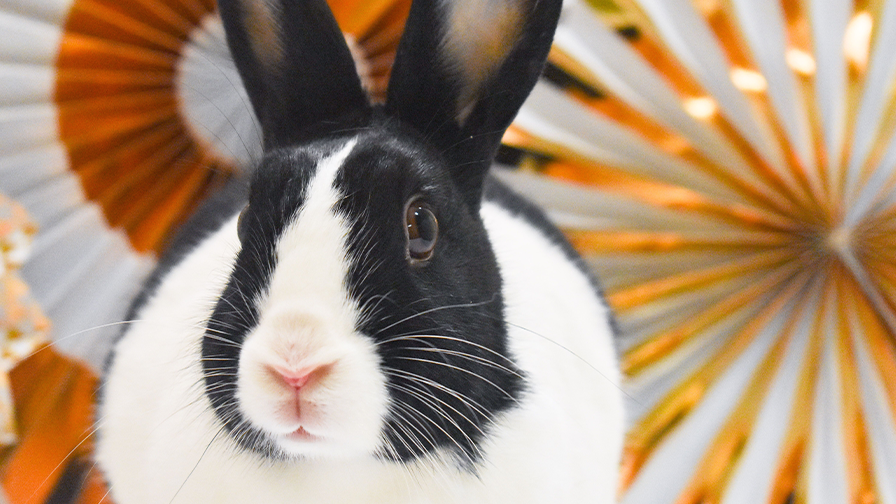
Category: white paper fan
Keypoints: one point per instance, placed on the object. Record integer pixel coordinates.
(739, 156)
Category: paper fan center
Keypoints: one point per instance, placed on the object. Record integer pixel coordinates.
(839, 241)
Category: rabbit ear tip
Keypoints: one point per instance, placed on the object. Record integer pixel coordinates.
(478, 36)
(263, 31)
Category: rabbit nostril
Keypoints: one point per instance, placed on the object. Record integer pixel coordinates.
(297, 380)
(299, 377)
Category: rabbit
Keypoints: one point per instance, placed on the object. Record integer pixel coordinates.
(373, 317)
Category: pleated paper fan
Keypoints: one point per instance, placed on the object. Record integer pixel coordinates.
(727, 167)
(117, 118)
(729, 172)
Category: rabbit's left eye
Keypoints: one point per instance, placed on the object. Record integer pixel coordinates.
(422, 230)
(242, 225)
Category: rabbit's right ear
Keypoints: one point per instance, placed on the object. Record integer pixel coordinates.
(462, 71)
(296, 67)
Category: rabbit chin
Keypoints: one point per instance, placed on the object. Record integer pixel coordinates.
(339, 412)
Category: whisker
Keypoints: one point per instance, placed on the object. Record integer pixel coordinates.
(197, 464)
(457, 368)
(580, 358)
(415, 392)
(467, 400)
(438, 308)
(412, 336)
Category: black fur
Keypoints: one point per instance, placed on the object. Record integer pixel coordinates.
(423, 90)
(297, 102)
(453, 302)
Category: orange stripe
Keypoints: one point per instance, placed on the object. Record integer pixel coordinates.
(648, 434)
(756, 265)
(54, 397)
(859, 470)
(665, 195)
(791, 474)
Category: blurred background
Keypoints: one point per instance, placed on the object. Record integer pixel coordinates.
(727, 167)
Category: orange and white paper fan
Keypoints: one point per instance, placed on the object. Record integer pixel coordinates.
(116, 119)
(728, 168)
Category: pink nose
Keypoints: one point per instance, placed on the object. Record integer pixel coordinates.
(300, 377)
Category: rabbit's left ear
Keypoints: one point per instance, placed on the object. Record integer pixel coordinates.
(463, 70)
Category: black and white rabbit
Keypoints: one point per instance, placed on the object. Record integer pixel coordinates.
(382, 321)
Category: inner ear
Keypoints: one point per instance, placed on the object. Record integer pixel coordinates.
(264, 34)
(478, 37)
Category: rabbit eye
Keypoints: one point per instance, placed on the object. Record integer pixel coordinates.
(422, 228)
(242, 226)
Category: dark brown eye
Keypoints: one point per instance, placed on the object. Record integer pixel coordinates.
(422, 229)
(242, 225)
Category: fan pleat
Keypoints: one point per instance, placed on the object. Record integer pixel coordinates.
(649, 353)
(120, 115)
(55, 408)
(620, 69)
(54, 260)
(694, 279)
(52, 200)
(874, 401)
(27, 41)
(629, 269)
(117, 193)
(654, 193)
(25, 84)
(721, 458)
(698, 418)
(641, 323)
(108, 280)
(69, 269)
(49, 11)
(360, 16)
(858, 465)
(549, 115)
(27, 168)
(178, 17)
(775, 400)
(173, 197)
(827, 20)
(657, 389)
(725, 166)
(100, 170)
(876, 95)
(94, 53)
(124, 27)
(26, 126)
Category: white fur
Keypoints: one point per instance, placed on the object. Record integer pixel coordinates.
(161, 442)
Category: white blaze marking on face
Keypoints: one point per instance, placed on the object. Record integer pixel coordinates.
(312, 250)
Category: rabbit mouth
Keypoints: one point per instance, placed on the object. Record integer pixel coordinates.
(302, 435)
